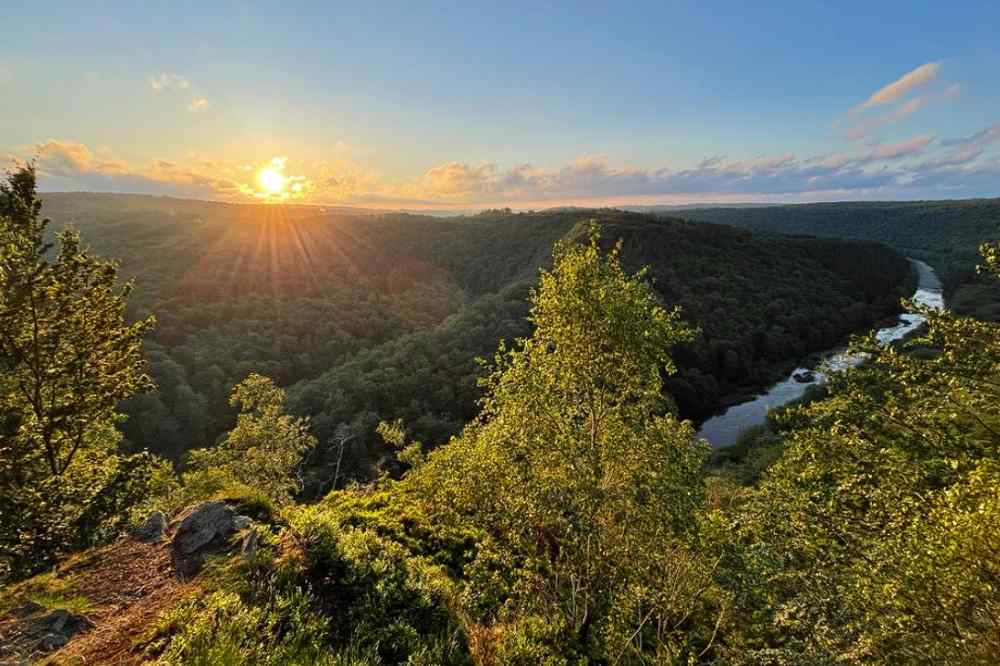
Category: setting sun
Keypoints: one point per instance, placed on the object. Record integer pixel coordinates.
(271, 180)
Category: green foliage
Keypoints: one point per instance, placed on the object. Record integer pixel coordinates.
(266, 448)
(382, 598)
(366, 318)
(576, 464)
(874, 537)
(223, 628)
(573, 520)
(945, 234)
(68, 355)
(245, 612)
(46, 590)
(67, 358)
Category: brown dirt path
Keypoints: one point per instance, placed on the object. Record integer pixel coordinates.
(128, 584)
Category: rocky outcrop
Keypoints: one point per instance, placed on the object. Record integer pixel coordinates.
(201, 529)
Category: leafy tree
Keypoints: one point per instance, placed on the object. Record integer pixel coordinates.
(577, 467)
(875, 537)
(68, 357)
(266, 448)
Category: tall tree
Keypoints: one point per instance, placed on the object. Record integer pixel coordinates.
(577, 464)
(68, 357)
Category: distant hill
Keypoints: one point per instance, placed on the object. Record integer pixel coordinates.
(945, 234)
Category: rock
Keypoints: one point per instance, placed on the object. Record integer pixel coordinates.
(152, 529)
(51, 642)
(250, 541)
(242, 522)
(57, 628)
(202, 529)
(804, 376)
(202, 526)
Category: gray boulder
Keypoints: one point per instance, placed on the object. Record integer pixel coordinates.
(57, 628)
(152, 529)
(203, 526)
(201, 529)
(804, 376)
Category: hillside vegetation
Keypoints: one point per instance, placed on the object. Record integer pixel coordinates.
(945, 234)
(572, 520)
(371, 317)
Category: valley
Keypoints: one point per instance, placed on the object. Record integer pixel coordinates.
(380, 317)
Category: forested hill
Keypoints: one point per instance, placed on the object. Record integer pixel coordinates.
(573, 520)
(759, 300)
(945, 234)
(370, 317)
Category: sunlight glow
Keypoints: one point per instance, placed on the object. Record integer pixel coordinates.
(272, 184)
(271, 180)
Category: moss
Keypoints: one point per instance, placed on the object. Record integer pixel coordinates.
(48, 590)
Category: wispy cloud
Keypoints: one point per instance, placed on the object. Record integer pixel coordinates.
(70, 165)
(199, 104)
(966, 149)
(981, 138)
(895, 151)
(904, 84)
(864, 126)
(960, 165)
(167, 82)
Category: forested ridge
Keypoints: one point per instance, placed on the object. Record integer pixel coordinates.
(370, 317)
(573, 519)
(945, 234)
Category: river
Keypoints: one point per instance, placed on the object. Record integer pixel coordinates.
(725, 429)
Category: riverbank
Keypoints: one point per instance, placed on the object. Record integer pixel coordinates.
(726, 429)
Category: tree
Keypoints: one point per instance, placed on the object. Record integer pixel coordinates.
(577, 466)
(265, 449)
(875, 537)
(68, 357)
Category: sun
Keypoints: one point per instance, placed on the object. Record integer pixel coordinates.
(272, 181)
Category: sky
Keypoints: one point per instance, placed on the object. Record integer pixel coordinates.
(528, 105)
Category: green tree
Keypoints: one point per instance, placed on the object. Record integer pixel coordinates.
(266, 448)
(874, 539)
(68, 357)
(577, 467)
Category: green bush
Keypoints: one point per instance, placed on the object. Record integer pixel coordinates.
(378, 595)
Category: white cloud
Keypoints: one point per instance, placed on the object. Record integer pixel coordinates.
(966, 149)
(70, 159)
(904, 84)
(168, 82)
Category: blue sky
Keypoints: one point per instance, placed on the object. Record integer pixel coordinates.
(421, 104)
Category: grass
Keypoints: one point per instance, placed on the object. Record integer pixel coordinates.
(46, 590)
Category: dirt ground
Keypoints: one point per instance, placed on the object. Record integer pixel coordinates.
(128, 585)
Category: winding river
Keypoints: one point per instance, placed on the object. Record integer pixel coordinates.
(725, 429)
